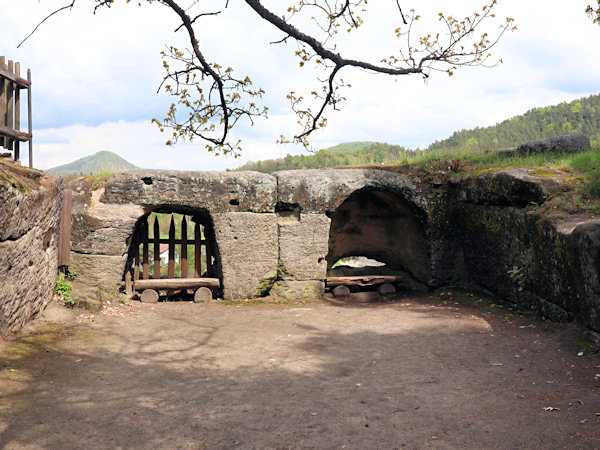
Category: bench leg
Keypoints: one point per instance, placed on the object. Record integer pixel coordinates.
(149, 296)
(202, 295)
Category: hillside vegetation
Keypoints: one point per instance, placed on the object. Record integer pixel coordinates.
(581, 115)
(100, 162)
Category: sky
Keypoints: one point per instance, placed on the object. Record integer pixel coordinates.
(95, 76)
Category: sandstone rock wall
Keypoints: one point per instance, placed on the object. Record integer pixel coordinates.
(30, 208)
(271, 231)
(545, 264)
(276, 234)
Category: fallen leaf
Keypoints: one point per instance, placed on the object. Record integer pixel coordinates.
(550, 408)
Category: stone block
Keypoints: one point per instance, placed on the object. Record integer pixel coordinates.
(98, 278)
(298, 290)
(216, 192)
(325, 190)
(303, 245)
(248, 252)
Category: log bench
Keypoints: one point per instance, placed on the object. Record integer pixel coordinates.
(340, 285)
(150, 288)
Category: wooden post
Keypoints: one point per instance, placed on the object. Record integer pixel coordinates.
(184, 261)
(171, 271)
(145, 249)
(17, 126)
(209, 252)
(29, 116)
(156, 249)
(9, 106)
(2, 102)
(197, 252)
(64, 237)
(128, 284)
(136, 255)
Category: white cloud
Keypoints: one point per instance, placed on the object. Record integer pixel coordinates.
(95, 78)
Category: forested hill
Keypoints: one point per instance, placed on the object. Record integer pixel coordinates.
(347, 154)
(581, 115)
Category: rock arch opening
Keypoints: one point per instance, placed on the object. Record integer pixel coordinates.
(174, 246)
(379, 232)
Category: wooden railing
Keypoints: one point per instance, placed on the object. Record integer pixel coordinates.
(11, 85)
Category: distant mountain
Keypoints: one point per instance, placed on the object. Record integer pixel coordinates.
(103, 161)
(581, 115)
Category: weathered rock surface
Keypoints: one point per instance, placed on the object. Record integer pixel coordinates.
(248, 252)
(294, 290)
(30, 208)
(272, 232)
(325, 190)
(215, 191)
(101, 228)
(511, 187)
(303, 245)
(568, 143)
(98, 278)
(547, 265)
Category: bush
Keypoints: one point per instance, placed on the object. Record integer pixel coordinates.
(63, 289)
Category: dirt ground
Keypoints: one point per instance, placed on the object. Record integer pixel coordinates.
(414, 373)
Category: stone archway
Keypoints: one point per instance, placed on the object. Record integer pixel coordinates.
(383, 226)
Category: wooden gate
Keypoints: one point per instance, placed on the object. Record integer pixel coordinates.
(202, 252)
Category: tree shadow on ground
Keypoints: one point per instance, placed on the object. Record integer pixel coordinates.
(426, 378)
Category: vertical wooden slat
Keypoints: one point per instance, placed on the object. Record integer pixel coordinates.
(9, 105)
(3, 83)
(17, 112)
(29, 116)
(209, 251)
(197, 252)
(171, 271)
(136, 255)
(64, 237)
(156, 237)
(184, 261)
(145, 249)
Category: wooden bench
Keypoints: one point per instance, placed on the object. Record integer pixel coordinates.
(150, 288)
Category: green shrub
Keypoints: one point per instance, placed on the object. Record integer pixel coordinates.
(63, 289)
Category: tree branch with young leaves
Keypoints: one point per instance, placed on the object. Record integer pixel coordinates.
(210, 99)
(594, 12)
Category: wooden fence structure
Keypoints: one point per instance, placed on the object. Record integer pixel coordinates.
(203, 250)
(11, 85)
